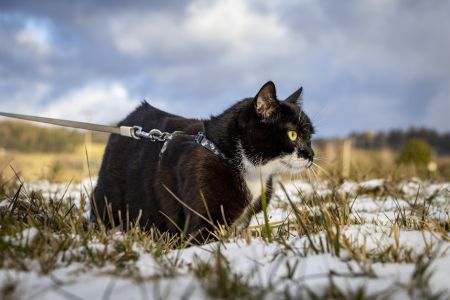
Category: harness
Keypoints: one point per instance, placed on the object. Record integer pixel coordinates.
(157, 135)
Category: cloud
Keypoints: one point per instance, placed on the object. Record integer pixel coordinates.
(34, 36)
(218, 27)
(213, 40)
(23, 98)
(100, 102)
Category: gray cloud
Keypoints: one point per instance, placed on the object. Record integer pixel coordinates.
(371, 64)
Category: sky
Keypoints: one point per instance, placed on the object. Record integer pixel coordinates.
(364, 65)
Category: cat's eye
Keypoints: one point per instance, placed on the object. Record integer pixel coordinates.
(292, 134)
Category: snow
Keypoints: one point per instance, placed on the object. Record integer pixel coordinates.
(59, 190)
(367, 204)
(353, 188)
(68, 283)
(372, 184)
(4, 203)
(284, 267)
(24, 238)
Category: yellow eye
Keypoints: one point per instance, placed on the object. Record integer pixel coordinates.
(292, 134)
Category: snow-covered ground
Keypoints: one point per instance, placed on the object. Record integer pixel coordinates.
(380, 258)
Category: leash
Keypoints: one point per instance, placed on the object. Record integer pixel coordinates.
(128, 131)
(136, 132)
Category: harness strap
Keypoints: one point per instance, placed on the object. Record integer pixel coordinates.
(201, 139)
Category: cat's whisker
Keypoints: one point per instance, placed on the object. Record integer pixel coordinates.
(306, 176)
(301, 176)
(321, 169)
(311, 174)
(325, 172)
(315, 173)
(308, 173)
(320, 159)
(323, 161)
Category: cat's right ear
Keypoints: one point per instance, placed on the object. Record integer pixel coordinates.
(295, 97)
(266, 103)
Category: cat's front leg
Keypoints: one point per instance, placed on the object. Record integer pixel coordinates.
(244, 219)
(255, 207)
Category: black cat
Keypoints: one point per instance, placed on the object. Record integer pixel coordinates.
(243, 147)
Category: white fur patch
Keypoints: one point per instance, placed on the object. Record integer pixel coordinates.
(256, 176)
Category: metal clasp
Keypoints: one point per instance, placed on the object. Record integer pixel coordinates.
(136, 132)
(154, 134)
(199, 137)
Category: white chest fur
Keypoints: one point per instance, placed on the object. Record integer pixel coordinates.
(257, 175)
(255, 178)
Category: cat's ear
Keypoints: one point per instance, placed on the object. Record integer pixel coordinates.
(295, 97)
(266, 103)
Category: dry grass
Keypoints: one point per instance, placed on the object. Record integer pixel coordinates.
(54, 167)
(381, 163)
(63, 236)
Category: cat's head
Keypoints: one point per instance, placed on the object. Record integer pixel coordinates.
(276, 133)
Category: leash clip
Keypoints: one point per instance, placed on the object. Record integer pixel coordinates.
(136, 133)
(154, 134)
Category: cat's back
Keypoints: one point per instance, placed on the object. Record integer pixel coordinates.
(148, 117)
(128, 163)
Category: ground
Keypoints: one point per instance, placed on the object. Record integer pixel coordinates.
(375, 239)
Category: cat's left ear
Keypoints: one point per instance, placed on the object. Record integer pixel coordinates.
(295, 97)
(266, 103)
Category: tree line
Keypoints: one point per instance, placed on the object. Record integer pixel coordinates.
(25, 137)
(396, 139)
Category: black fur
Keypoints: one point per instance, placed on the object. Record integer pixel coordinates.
(137, 184)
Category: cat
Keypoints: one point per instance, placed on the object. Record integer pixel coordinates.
(193, 187)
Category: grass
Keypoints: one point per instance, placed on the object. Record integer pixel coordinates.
(53, 233)
(55, 167)
(374, 163)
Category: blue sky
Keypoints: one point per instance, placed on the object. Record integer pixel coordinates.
(376, 64)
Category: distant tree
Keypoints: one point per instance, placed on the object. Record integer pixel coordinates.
(415, 151)
(396, 139)
(24, 137)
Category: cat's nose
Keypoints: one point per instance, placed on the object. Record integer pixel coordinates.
(306, 153)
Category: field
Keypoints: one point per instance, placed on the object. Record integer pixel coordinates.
(377, 239)
(55, 167)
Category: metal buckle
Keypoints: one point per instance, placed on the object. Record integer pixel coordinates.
(199, 137)
(137, 132)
